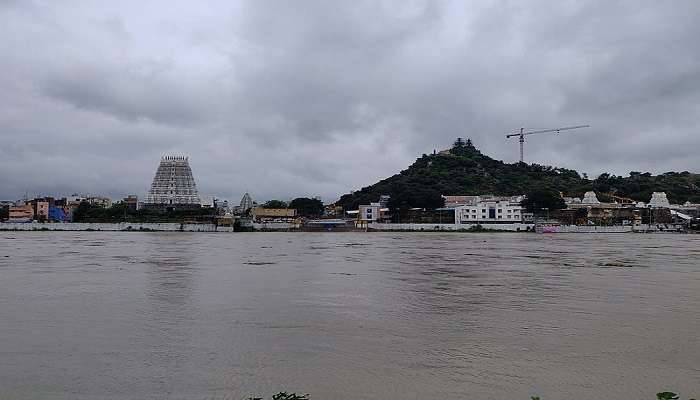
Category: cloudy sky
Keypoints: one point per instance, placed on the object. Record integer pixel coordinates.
(317, 98)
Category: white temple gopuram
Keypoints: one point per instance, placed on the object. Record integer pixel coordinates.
(173, 185)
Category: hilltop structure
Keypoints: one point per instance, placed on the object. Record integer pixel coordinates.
(173, 186)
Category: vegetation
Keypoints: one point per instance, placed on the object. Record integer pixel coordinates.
(464, 170)
(307, 207)
(275, 204)
(4, 213)
(284, 396)
(667, 396)
(87, 212)
(542, 198)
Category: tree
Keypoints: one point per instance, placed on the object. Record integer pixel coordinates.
(416, 196)
(82, 212)
(461, 147)
(275, 204)
(307, 207)
(539, 198)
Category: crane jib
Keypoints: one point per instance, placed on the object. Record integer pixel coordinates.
(557, 130)
(521, 135)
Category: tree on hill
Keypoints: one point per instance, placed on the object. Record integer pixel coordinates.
(307, 207)
(415, 196)
(462, 147)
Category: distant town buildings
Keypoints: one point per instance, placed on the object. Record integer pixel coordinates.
(174, 188)
(173, 185)
(623, 211)
(99, 201)
(222, 207)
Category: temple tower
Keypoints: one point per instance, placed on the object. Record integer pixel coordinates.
(246, 203)
(173, 185)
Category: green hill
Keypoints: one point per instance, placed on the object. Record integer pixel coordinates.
(464, 170)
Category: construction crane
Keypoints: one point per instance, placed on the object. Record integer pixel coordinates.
(522, 134)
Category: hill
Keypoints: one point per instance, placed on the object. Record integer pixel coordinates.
(464, 170)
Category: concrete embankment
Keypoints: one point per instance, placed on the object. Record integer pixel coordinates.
(274, 226)
(655, 228)
(584, 229)
(121, 226)
(449, 227)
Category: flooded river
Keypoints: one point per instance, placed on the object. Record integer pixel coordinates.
(87, 315)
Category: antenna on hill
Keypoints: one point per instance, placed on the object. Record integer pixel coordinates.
(521, 135)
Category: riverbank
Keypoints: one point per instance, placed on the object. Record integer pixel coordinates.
(372, 227)
(120, 226)
(518, 227)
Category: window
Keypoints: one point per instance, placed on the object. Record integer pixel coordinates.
(500, 210)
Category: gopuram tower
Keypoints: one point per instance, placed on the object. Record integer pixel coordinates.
(173, 186)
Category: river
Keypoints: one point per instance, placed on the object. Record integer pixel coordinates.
(114, 315)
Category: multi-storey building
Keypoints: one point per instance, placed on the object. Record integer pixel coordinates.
(487, 209)
(23, 213)
(373, 212)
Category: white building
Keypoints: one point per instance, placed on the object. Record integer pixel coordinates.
(489, 210)
(659, 200)
(372, 212)
(590, 198)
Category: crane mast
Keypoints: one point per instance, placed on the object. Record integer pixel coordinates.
(521, 135)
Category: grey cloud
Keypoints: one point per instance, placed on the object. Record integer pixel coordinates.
(319, 98)
(129, 93)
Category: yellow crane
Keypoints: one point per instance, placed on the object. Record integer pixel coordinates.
(522, 134)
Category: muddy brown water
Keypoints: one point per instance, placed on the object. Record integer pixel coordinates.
(112, 315)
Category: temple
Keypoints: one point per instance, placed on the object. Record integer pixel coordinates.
(246, 203)
(173, 186)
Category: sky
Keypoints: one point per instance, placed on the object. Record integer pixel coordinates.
(317, 98)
